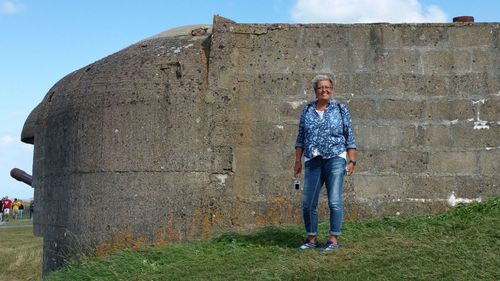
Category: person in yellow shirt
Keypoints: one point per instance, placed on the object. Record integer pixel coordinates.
(15, 208)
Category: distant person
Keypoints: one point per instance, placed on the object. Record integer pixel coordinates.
(32, 209)
(15, 208)
(1, 209)
(7, 204)
(21, 210)
(325, 140)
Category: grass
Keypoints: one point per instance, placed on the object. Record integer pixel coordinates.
(462, 244)
(20, 251)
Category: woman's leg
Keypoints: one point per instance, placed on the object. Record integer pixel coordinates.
(312, 186)
(334, 171)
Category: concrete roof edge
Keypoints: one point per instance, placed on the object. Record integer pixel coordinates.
(181, 31)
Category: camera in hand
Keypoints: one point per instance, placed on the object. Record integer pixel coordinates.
(296, 184)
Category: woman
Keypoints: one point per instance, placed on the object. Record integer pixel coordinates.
(326, 140)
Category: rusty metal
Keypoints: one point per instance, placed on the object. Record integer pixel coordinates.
(21, 175)
(463, 19)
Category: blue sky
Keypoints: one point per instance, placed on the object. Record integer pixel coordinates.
(42, 41)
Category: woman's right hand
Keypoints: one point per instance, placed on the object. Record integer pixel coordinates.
(297, 169)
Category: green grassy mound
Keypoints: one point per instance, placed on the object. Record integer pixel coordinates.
(462, 244)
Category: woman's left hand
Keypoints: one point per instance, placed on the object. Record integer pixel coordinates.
(350, 169)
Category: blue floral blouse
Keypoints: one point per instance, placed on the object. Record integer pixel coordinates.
(328, 136)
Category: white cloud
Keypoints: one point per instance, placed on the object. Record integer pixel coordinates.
(8, 7)
(7, 140)
(365, 11)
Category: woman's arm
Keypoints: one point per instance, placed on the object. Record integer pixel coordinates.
(351, 154)
(297, 168)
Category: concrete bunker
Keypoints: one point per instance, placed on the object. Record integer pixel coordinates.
(191, 131)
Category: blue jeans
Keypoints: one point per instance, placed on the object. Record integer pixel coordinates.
(330, 172)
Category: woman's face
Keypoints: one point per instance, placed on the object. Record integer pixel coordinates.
(324, 91)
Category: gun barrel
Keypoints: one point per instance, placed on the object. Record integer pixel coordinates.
(21, 175)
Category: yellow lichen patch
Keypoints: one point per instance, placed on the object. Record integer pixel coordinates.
(273, 216)
(292, 212)
(261, 220)
(353, 212)
(171, 234)
(102, 249)
(281, 209)
(159, 236)
(195, 223)
(122, 239)
(205, 226)
(138, 243)
(278, 201)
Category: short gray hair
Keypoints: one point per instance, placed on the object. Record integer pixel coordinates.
(321, 77)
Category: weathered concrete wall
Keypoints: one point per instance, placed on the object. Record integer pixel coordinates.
(177, 137)
(423, 97)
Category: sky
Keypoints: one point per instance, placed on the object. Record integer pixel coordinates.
(42, 41)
